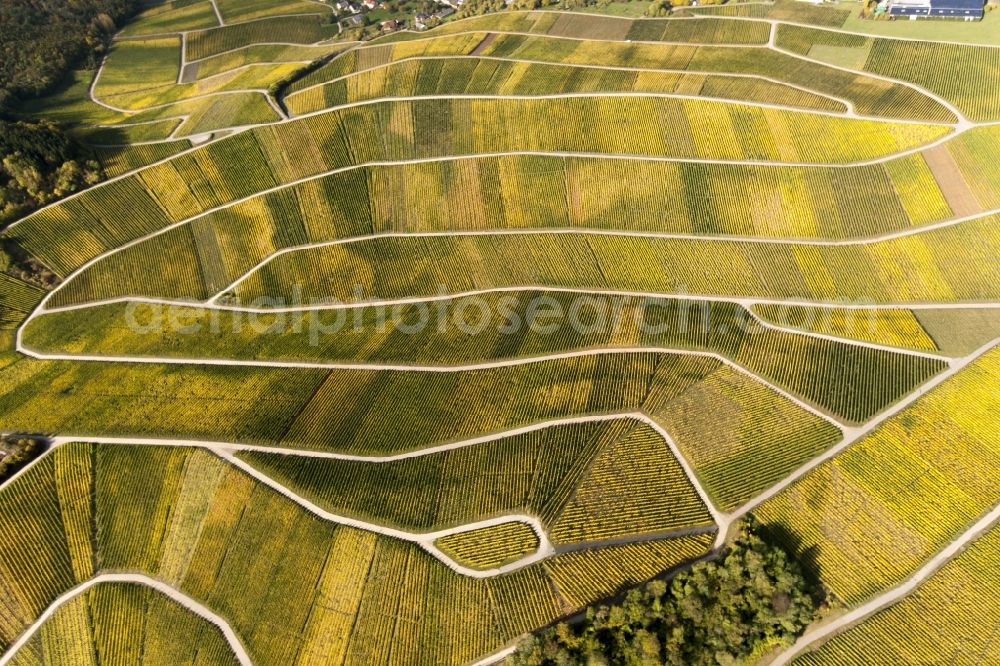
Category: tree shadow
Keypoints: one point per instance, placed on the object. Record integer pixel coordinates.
(776, 534)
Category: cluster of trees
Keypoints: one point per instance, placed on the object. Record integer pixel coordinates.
(16, 452)
(41, 39)
(752, 597)
(39, 163)
(663, 7)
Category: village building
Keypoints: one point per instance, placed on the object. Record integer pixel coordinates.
(968, 10)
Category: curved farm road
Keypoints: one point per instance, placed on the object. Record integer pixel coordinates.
(894, 595)
(424, 540)
(852, 435)
(187, 602)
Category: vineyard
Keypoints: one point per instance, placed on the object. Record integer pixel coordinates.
(960, 332)
(117, 161)
(870, 96)
(860, 273)
(930, 624)
(832, 375)
(458, 195)
(234, 11)
(172, 16)
(876, 511)
(490, 547)
(476, 76)
(129, 621)
(225, 532)
(293, 29)
(395, 346)
(568, 475)
(17, 299)
(258, 54)
(896, 328)
(600, 28)
(782, 10)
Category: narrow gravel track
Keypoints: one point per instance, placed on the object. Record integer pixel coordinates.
(892, 596)
(187, 602)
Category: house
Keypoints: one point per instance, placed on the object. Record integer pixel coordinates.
(354, 21)
(369, 4)
(390, 25)
(969, 10)
(420, 21)
(443, 13)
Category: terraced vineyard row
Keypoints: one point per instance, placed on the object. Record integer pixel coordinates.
(974, 152)
(236, 404)
(898, 328)
(228, 541)
(172, 16)
(967, 76)
(490, 547)
(248, 10)
(524, 473)
(475, 76)
(781, 10)
(17, 299)
(585, 575)
(292, 29)
(596, 27)
(870, 96)
(117, 161)
(461, 194)
(739, 436)
(261, 53)
(634, 486)
(864, 273)
(139, 74)
(875, 512)
(947, 617)
(838, 377)
(570, 476)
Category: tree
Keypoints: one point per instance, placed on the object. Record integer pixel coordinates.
(39, 164)
(719, 612)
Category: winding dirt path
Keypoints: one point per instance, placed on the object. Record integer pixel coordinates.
(892, 596)
(187, 602)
